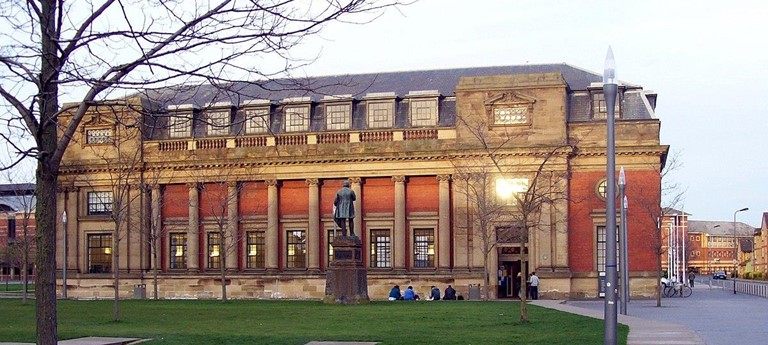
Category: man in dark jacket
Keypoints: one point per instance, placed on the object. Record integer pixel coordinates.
(345, 209)
(434, 293)
(450, 293)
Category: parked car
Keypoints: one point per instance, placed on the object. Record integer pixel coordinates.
(719, 275)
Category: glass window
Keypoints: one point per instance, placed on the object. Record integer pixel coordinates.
(98, 136)
(214, 250)
(380, 114)
(99, 253)
(601, 248)
(12, 228)
(297, 252)
(600, 109)
(330, 247)
(424, 248)
(255, 249)
(338, 116)
(180, 127)
(423, 112)
(218, 123)
(381, 249)
(296, 119)
(99, 203)
(510, 190)
(257, 121)
(178, 250)
(507, 115)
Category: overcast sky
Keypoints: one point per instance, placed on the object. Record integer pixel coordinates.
(707, 60)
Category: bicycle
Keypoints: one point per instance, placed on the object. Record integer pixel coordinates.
(678, 289)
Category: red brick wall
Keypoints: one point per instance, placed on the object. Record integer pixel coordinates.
(253, 199)
(175, 202)
(294, 198)
(378, 195)
(213, 200)
(421, 194)
(328, 191)
(641, 224)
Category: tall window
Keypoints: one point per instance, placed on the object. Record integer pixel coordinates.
(296, 119)
(99, 203)
(180, 127)
(178, 250)
(424, 248)
(98, 136)
(380, 114)
(600, 108)
(338, 116)
(381, 249)
(330, 247)
(510, 190)
(218, 123)
(423, 112)
(257, 121)
(297, 251)
(255, 249)
(601, 248)
(99, 253)
(214, 250)
(11, 227)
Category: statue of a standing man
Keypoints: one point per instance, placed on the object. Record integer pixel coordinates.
(345, 209)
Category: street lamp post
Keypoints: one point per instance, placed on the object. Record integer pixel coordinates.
(623, 264)
(609, 92)
(735, 249)
(709, 251)
(64, 268)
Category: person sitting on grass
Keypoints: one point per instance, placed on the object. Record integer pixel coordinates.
(394, 294)
(434, 293)
(409, 294)
(450, 294)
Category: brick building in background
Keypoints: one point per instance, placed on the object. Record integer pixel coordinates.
(244, 177)
(17, 229)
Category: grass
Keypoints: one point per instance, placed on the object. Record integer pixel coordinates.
(299, 322)
(16, 287)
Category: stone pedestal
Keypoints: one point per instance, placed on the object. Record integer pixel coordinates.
(346, 279)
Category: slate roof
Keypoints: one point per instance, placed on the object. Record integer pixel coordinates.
(725, 228)
(17, 197)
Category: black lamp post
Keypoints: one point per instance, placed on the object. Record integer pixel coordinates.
(735, 249)
(623, 257)
(609, 92)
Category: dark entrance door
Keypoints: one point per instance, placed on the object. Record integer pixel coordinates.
(509, 279)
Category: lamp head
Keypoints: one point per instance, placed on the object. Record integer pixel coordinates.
(622, 177)
(609, 73)
(743, 209)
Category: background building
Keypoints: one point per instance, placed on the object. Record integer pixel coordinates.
(462, 175)
(17, 229)
(712, 243)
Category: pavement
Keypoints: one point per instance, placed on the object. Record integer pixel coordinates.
(713, 315)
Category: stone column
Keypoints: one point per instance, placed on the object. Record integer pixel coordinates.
(155, 227)
(232, 226)
(444, 223)
(272, 226)
(356, 186)
(399, 236)
(193, 229)
(313, 233)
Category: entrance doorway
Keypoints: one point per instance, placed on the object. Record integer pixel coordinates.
(510, 278)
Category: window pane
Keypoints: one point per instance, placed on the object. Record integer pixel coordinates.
(179, 127)
(601, 249)
(380, 114)
(424, 113)
(218, 123)
(255, 249)
(296, 250)
(257, 121)
(424, 248)
(178, 250)
(338, 116)
(381, 249)
(99, 203)
(98, 136)
(297, 119)
(600, 109)
(214, 250)
(99, 253)
(330, 247)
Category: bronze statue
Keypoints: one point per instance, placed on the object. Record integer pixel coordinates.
(344, 209)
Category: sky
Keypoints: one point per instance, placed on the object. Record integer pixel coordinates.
(707, 60)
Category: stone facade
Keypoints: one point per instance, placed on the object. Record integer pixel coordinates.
(189, 198)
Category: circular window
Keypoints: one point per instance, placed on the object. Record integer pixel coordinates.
(602, 189)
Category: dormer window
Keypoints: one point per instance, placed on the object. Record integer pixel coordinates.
(296, 118)
(257, 121)
(380, 109)
(180, 120)
(600, 109)
(218, 122)
(423, 111)
(338, 115)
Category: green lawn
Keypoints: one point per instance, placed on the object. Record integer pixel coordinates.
(16, 287)
(298, 322)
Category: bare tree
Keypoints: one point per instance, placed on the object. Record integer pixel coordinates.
(671, 195)
(26, 204)
(90, 52)
(516, 217)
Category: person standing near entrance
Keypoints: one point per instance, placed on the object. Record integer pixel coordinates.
(691, 277)
(534, 280)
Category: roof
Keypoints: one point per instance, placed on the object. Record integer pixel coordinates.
(669, 211)
(18, 197)
(720, 228)
(357, 85)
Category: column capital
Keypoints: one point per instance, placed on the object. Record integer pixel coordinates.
(398, 178)
(444, 178)
(270, 183)
(191, 185)
(232, 183)
(356, 180)
(312, 182)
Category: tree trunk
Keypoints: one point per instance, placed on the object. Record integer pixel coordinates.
(523, 286)
(116, 270)
(25, 265)
(222, 265)
(155, 268)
